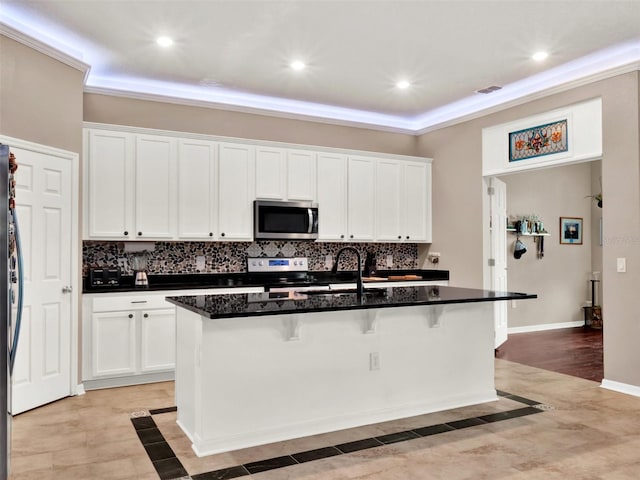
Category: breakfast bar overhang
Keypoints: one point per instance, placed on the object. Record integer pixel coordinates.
(258, 368)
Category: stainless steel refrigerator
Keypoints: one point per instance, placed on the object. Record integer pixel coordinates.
(10, 299)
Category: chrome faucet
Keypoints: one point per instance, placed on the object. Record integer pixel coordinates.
(359, 284)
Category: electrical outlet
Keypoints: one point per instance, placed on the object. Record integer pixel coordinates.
(389, 261)
(374, 361)
(200, 262)
(328, 260)
(434, 257)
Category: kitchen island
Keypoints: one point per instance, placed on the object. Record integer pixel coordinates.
(263, 367)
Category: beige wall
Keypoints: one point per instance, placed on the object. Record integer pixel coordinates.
(182, 118)
(458, 197)
(596, 217)
(560, 278)
(40, 98)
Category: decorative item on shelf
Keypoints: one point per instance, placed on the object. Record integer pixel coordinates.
(527, 225)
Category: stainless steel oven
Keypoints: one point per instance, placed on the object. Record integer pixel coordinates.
(275, 220)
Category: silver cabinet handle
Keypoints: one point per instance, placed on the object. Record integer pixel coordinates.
(67, 289)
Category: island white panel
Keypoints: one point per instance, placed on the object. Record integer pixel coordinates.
(240, 383)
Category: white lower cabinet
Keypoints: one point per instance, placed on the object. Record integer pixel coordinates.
(157, 340)
(114, 343)
(130, 338)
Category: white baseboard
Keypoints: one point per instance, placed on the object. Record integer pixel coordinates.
(621, 387)
(545, 326)
(80, 389)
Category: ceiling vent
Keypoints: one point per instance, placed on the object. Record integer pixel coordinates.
(490, 89)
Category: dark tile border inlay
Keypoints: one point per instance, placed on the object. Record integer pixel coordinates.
(270, 464)
(222, 474)
(160, 453)
(158, 411)
(169, 467)
(317, 454)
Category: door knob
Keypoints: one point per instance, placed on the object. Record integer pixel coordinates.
(67, 289)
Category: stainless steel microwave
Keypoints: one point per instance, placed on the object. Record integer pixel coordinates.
(274, 220)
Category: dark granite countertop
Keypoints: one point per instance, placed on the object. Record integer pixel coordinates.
(227, 280)
(258, 304)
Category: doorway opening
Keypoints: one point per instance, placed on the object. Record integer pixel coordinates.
(559, 272)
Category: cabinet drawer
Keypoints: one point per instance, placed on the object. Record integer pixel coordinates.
(129, 302)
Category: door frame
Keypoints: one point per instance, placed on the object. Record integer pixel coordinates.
(75, 388)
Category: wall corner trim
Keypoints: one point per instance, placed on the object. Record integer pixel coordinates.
(621, 387)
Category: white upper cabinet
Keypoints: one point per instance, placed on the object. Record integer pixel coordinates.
(155, 187)
(270, 173)
(332, 197)
(361, 203)
(285, 174)
(417, 202)
(139, 186)
(301, 175)
(389, 226)
(108, 185)
(236, 191)
(197, 201)
(403, 201)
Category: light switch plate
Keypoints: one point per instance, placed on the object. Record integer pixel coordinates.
(621, 265)
(389, 261)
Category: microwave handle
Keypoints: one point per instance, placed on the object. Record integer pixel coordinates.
(310, 213)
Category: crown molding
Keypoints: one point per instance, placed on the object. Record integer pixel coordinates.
(31, 42)
(155, 97)
(614, 72)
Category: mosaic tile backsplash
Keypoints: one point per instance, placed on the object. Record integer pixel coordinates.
(231, 257)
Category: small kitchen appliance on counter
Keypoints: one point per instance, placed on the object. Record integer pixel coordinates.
(139, 262)
(104, 276)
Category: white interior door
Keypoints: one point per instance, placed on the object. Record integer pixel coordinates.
(42, 371)
(498, 209)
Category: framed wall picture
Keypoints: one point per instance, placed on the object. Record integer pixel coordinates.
(570, 231)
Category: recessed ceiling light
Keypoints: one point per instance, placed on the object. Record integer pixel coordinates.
(403, 84)
(298, 65)
(539, 56)
(164, 41)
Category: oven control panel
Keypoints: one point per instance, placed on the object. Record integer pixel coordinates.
(277, 264)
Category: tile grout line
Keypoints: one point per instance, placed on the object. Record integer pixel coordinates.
(532, 407)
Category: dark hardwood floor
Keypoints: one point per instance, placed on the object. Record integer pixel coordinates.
(574, 351)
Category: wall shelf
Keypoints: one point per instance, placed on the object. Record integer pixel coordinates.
(515, 232)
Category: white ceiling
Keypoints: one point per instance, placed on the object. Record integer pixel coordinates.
(235, 53)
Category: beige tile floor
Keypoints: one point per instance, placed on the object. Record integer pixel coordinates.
(590, 433)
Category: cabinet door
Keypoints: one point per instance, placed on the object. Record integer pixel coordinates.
(197, 165)
(270, 173)
(361, 198)
(417, 202)
(114, 343)
(236, 191)
(156, 161)
(157, 340)
(108, 189)
(388, 201)
(332, 197)
(301, 175)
